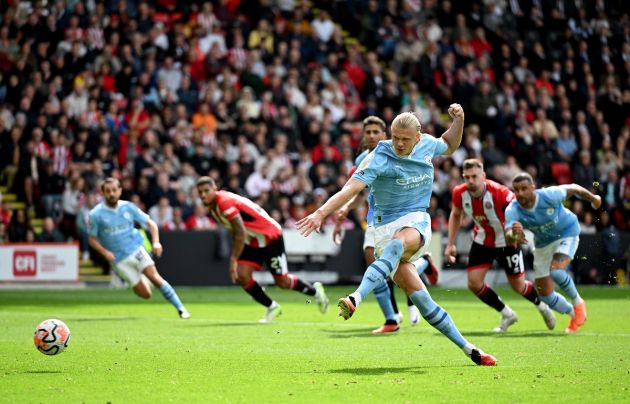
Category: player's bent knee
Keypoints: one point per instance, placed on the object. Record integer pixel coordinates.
(517, 283)
(284, 282)
(475, 286)
(244, 281)
(142, 291)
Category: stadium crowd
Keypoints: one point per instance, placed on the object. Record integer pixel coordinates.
(267, 98)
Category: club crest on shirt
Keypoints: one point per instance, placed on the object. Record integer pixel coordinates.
(550, 211)
(427, 158)
(488, 205)
(127, 215)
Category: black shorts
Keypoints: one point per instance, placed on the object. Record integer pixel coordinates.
(273, 255)
(508, 258)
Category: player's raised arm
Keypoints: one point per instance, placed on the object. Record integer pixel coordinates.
(583, 193)
(453, 135)
(314, 221)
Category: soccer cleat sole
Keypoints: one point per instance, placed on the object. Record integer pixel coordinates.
(346, 308)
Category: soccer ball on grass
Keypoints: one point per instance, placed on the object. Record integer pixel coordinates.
(51, 337)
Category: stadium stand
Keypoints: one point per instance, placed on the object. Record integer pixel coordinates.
(266, 96)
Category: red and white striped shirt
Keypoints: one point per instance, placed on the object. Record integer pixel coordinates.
(61, 159)
(487, 211)
(260, 228)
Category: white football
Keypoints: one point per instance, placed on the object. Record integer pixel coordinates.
(51, 337)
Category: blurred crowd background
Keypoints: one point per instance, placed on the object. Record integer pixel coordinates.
(267, 97)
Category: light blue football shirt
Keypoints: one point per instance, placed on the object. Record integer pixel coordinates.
(400, 185)
(370, 200)
(549, 220)
(114, 228)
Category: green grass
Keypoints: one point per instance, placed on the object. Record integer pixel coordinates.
(125, 350)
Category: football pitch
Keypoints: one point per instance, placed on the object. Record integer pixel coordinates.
(125, 350)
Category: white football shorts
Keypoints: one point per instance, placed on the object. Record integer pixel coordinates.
(421, 221)
(544, 255)
(368, 238)
(130, 269)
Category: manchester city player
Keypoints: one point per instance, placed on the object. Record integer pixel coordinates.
(556, 236)
(400, 174)
(112, 233)
(374, 130)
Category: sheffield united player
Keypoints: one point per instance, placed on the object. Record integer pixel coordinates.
(485, 201)
(256, 240)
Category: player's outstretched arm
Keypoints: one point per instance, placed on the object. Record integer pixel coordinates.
(583, 193)
(453, 135)
(454, 224)
(96, 245)
(314, 221)
(342, 213)
(155, 237)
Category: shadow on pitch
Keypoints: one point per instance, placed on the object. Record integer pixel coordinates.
(226, 324)
(106, 319)
(357, 333)
(380, 371)
(515, 334)
(41, 372)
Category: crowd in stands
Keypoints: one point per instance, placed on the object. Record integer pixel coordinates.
(267, 97)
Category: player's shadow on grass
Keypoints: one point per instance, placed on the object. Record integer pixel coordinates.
(227, 324)
(41, 372)
(515, 334)
(357, 332)
(106, 318)
(380, 371)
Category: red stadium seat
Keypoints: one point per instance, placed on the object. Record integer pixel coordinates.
(561, 172)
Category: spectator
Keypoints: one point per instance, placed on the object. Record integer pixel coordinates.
(72, 199)
(5, 211)
(50, 233)
(583, 171)
(18, 226)
(82, 223)
(162, 213)
(586, 224)
(4, 235)
(258, 182)
(200, 220)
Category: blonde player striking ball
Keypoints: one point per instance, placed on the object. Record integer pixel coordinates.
(400, 175)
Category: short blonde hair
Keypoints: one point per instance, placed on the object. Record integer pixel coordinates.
(407, 120)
